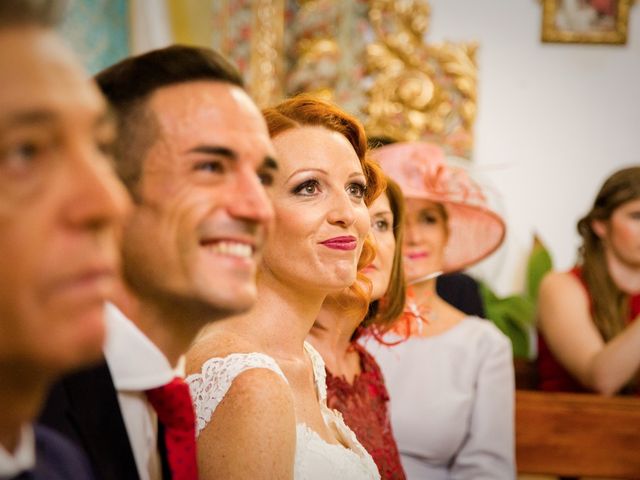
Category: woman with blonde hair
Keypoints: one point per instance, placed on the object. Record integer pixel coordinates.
(590, 339)
(259, 390)
(449, 375)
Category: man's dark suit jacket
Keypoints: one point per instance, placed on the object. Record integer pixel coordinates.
(84, 407)
(56, 459)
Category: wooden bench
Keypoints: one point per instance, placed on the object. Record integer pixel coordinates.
(577, 435)
(526, 373)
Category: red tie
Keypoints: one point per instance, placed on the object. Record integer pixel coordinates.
(172, 403)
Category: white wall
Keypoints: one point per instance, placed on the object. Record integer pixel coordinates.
(554, 121)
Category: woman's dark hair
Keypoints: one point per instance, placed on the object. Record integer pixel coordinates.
(610, 305)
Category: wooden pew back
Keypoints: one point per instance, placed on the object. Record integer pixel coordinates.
(577, 435)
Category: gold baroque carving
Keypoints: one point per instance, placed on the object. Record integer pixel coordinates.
(419, 90)
(326, 51)
(267, 29)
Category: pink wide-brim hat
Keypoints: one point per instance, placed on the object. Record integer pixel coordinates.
(475, 230)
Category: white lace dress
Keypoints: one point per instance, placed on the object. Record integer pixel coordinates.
(315, 458)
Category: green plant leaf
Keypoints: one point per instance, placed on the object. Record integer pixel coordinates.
(513, 315)
(538, 265)
(519, 337)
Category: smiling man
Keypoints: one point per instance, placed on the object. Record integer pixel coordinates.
(194, 152)
(60, 211)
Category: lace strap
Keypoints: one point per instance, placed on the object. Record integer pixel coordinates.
(209, 387)
(319, 372)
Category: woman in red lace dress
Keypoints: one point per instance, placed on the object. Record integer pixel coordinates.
(590, 336)
(355, 385)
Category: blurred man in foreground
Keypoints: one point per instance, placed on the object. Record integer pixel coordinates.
(60, 208)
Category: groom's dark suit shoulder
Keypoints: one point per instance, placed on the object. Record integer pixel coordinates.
(84, 407)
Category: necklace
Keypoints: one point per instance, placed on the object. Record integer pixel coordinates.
(429, 276)
(422, 311)
(415, 317)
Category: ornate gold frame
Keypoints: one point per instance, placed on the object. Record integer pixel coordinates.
(551, 32)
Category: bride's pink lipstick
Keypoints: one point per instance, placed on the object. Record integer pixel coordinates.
(341, 243)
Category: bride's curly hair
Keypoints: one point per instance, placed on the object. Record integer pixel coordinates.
(307, 110)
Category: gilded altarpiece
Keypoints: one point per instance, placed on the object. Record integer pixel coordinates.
(372, 57)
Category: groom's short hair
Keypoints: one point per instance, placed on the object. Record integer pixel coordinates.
(130, 83)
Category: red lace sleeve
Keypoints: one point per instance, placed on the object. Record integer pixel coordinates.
(363, 405)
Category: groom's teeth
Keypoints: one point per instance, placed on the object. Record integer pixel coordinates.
(233, 249)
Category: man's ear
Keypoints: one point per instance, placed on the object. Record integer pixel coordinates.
(599, 228)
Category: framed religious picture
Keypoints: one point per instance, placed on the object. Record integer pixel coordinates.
(585, 21)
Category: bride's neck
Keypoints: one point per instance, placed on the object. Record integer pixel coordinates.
(333, 329)
(283, 316)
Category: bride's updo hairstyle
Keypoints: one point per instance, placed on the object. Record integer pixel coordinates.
(308, 111)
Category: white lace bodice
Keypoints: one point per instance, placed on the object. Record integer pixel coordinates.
(315, 458)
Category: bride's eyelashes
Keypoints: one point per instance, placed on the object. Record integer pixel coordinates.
(307, 188)
(357, 189)
(312, 187)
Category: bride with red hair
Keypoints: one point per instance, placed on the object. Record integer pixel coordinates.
(259, 389)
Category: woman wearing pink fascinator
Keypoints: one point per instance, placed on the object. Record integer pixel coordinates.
(449, 375)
